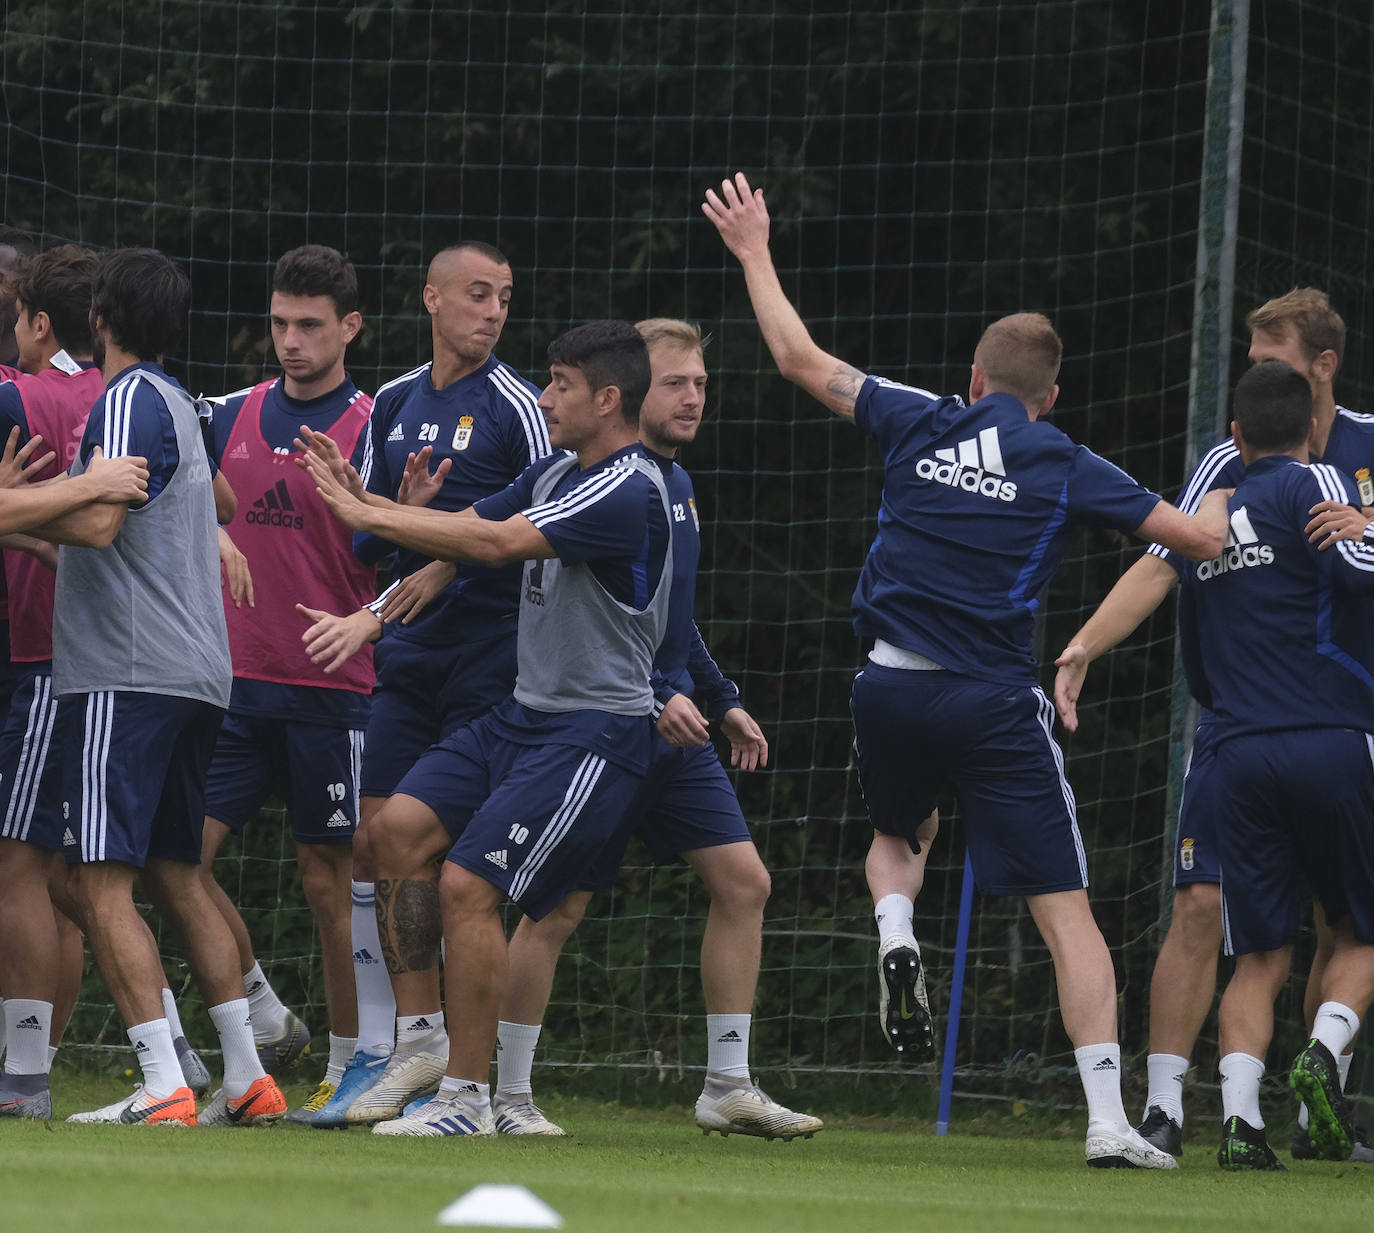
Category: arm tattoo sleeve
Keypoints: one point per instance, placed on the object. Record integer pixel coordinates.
(843, 386)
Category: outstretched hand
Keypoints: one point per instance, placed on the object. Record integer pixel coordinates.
(332, 640)
(418, 485)
(322, 446)
(739, 214)
(18, 464)
(346, 504)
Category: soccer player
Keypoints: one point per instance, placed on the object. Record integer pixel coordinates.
(290, 727)
(687, 808)
(40, 960)
(1287, 648)
(140, 648)
(977, 501)
(447, 629)
(523, 799)
(1302, 329)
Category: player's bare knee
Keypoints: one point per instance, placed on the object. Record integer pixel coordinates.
(325, 870)
(1196, 922)
(741, 885)
(465, 896)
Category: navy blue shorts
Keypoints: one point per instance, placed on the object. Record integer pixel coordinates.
(1197, 855)
(9, 672)
(425, 693)
(686, 802)
(1298, 814)
(135, 777)
(530, 819)
(33, 744)
(314, 767)
(917, 734)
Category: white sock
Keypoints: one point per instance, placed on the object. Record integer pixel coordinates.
(894, 915)
(376, 1002)
(415, 1032)
(515, 1044)
(28, 1024)
(235, 1027)
(52, 1054)
(1343, 1065)
(1099, 1067)
(727, 1044)
(472, 1092)
(169, 1009)
(340, 1050)
(1302, 1116)
(264, 1007)
(157, 1057)
(1335, 1026)
(1240, 1087)
(1167, 1072)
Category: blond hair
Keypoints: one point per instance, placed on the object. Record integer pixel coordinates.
(1319, 326)
(684, 335)
(1020, 356)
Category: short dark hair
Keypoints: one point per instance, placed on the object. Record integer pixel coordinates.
(476, 246)
(58, 282)
(608, 353)
(143, 297)
(317, 269)
(1273, 407)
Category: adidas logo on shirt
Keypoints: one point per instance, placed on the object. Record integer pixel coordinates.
(339, 818)
(974, 465)
(274, 509)
(498, 859)
(1242, 550)
(31, 1023)
(363, 956)
(397, 434)
(239, 451)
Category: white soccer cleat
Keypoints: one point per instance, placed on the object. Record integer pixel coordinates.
(109, 1115)
(1108, 1148)
(741, 1107)
(521, 1116)
(406, 1076)
(440, 1116)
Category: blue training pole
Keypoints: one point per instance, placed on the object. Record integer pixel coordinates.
(956, 1000)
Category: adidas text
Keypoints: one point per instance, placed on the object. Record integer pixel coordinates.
(1105, 1064)
(363, 956)
(499, 859)
(957, 476)
(339, 818)
(1243, 549)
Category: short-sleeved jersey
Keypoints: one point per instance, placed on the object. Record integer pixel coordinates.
(136, 423)
(488, 424)
(297, 553)
(977, 506)
(1286, 630)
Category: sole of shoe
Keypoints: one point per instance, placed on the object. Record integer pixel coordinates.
(907, 1023)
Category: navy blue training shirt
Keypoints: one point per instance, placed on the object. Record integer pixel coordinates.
(977, 506)
(1286, 631)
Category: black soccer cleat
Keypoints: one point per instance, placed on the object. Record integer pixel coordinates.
(1317, 1082)
(1245, 1147)
(1162, 1131)
(903, 1007)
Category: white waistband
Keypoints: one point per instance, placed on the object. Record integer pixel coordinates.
(888, 656)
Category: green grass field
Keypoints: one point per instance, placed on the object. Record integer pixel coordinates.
(633, 1169)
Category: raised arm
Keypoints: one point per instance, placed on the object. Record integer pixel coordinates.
(741, 217)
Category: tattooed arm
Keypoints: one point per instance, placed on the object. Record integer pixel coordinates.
(741, 217)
